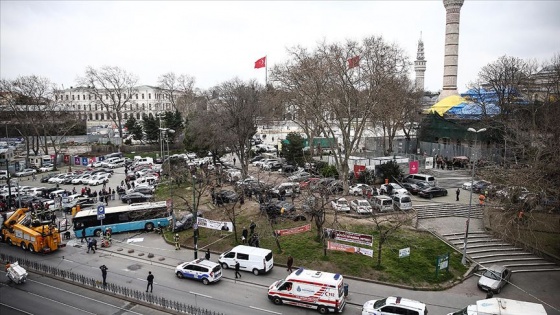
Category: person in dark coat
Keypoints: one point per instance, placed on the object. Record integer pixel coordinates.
(237, 269)
(252, 227)
(150, 282)
(104, 274)
(207, 255)
(244, 235)
(290, 263)
(458, 192)
(83, 235)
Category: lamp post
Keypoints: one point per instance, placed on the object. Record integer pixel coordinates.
(464, 260)
(166, 132)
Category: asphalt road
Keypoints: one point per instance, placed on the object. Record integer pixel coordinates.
(247, 296)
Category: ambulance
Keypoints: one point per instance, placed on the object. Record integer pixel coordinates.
(319, 290)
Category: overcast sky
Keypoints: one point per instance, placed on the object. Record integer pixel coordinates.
(216, 41)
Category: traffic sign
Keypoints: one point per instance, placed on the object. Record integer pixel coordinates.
(100, 212)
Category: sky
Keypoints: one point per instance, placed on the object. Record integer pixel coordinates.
(216, 41)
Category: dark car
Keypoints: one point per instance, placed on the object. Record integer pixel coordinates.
(256, 158)
(431, 192)
(412, 188)
(146, 190)
(288, 168)
(45, 179)
(226, 196)
(275, 166)
(135, 197)
(185, 222)
(481, 186)
(82, 202)
(335, 187)
(68, 179)
(274, 210)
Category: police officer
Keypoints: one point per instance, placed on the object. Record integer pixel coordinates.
(176, 240)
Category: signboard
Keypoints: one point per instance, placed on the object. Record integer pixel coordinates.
(296, 230)
(77, 160)
(84, 161)
(214, 225)
(358, 169)
(349, 249)
(413, 167)
(404, 252)
(66, 158)
(350, 237)
(429, 163)
(442, 263)
(100, 212)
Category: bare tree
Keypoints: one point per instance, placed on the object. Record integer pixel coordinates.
(237, 111)
(113, 89)
(179, 90)
(386, 225)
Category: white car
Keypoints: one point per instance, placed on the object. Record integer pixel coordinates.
(95, 164)
(396, 189)
(340, 205)
(46, 168)
(361, 206)
(82, 179)
(25, 172)
(394, 305)
(98, 180)
(358, 189)
(57, 179)
(201, 270)
(298, 177)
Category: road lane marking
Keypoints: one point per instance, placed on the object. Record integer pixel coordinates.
(17, 309)
(200, 294)
(264, 310)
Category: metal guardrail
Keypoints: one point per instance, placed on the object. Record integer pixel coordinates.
(112, 288)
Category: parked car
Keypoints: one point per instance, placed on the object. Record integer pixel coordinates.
(136, 197)
(340, 205)
(393, 189)
(81, 201)
(394, 305)
(25, 172)
(360, 190)
(480, 186)
(431, 192)
(298, 177)
(46, 168)
(200, 269)
(45, 178)
(98, 179)
(144, 189)
(308, 183)
(361, 206)
(413, 189)
(226, 196)
(336, 187)
(494, 278)
(272, 166)
(288, 168)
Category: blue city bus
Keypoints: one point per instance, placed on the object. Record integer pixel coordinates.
(133, 217)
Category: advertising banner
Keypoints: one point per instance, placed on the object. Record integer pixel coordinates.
(350, 237)
(429, 163)
(296, 230)
(413, 167)
(84, 161)
(77, 160)
(214, 225)
(66, 158)
(349, 249)
(358, 169)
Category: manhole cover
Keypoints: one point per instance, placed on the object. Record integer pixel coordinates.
(134, 267)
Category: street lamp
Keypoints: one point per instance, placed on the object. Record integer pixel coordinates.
(166, 132)
(464, 260)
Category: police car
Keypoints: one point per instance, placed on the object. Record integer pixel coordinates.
(394, 306)
(200, 269)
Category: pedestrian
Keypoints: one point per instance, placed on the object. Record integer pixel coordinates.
(207, 255)
(34, 177)
(104, 274)
(237, 269)
(83, 234)
(252, 227)
(53, 218)
(481, 199)
(290, 263)
(150, 282)
(244, 235)
(457, 192)
(176, 240)
(94, 244)
(241, 200)
(234, 161)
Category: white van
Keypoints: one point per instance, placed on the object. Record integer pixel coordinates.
(417, 178)
(319, 290)
(382, 203)
(143, 161)
(253, 259)
(289, 187)
(3, 175)
(402, 202)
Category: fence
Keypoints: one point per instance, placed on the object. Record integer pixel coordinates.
(112, 288)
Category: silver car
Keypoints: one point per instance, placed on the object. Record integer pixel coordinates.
(494, 278)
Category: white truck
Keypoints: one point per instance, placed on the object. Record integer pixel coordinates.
(499, 306)
(319, 290)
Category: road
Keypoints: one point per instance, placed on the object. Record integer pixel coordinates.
(247, 296)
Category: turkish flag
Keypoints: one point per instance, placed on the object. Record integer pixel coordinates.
(353, 62)
(261, 63)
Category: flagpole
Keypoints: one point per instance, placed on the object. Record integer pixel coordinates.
(265, 70)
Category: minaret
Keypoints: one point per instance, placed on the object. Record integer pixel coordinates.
(420, 65)
(451, 59)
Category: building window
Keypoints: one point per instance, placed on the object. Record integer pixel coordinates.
(95, 106)
(78, 97)
(136, 106)
(136, 96)
(102, 116)
(124, 96)
(96, 116)
(90, 116)
(142, 95)
(125, 116)
(150, 106)
(138, 116)
(66, 96)
(73, 97)
(79, 107)
(89, 97)
(143, 107)
(149, 96)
